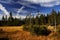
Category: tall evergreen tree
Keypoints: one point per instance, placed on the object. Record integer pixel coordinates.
(3, 19)
(58, 18)
(42, 19)
(36, 20)
(53, 17)
(10, 17)
(48, 19)
(33, 20)
(6, 17)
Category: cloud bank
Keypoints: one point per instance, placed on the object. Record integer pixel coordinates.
(46, 3)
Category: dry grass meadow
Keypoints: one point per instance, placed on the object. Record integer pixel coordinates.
(17, 33)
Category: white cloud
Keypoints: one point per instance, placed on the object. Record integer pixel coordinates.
(40, 1)
(26, 4)
(46, 3)
(1, 16)
(2, 8)
(19, 10)
(4, 11)
(38, 13)
(20, 16)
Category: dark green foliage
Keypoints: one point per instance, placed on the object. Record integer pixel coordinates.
(10, 17)
(41, 31)
(38, 30)
(26, 28)
(40, 19)
(3, 19)
(11, 21)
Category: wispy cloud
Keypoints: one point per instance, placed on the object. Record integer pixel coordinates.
(2, 8)
(4, 11)
(26, 4)
(23, 2)
(19, 10)
(40, 1)
(45, 3)
(6, 1)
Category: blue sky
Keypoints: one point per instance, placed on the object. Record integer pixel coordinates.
(20, 8)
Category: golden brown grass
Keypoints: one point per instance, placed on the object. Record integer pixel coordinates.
(17, 33)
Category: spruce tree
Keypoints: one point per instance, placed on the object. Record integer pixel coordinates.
(3, 19)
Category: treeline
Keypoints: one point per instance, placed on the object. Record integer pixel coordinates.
(11, 21)
(40, 19)
(52, 18)
(38, 25)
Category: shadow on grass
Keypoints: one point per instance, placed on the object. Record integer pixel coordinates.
(4, 38)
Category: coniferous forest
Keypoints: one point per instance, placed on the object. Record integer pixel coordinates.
(40, 19)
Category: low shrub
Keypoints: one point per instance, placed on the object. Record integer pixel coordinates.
(38, 30)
